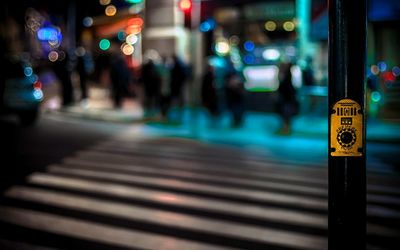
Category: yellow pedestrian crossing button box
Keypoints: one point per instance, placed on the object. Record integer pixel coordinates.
(346, 129)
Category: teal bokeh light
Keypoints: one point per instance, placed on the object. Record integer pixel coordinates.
(133, 1)
(104, 44)
(376, 96)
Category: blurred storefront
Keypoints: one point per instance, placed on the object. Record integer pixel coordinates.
(253, 38)
(383, 57)
(383, 60)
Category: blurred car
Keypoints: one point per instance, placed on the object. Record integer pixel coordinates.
(21, 91)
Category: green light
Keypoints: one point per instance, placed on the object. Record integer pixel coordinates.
(133, 1)
(104, 44)
(376, 96)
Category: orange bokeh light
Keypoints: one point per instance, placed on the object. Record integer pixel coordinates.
(135, 21)
(133, 29)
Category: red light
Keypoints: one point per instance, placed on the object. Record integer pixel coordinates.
(388, 76)
(185, 5)
(37, 85)
(135, 21)
(134, 26)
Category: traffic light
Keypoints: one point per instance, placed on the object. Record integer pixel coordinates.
(186, 8)
(185, 5)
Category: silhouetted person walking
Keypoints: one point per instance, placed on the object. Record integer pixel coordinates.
(209, 95)
(120, 77)
(63, 70)
(178, 78)
(234, 93)
(287, 100)
(84, 67)
(152, 87)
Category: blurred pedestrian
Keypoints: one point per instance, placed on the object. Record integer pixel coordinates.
(178, 77)
(151, 80)
(235, 97)
(288, 104)
(308, 84)
(63, 68)
(209, 95)
(307, 72)
(120, 76)
(84, 67)
(164, 70)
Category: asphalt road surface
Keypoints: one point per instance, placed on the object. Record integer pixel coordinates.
(78, 184)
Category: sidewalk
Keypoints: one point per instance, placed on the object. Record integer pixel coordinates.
(99, 107)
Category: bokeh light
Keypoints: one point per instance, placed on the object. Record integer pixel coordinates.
(382, 66)
(53, 56)
(234, 40)
(271, 54)
(104, 2)
(270, 26)
(136, 21)
(134, 1)
(54, 43)
(28, 71)
(127, 49)
(388, 76)
(121, 35)
(249, 46)
(376, 96)
(207, 25)
(47, 33)
(132, 39)
(396, 71)
(222, 47)
(288, 26)
(374, 69)
(185, 5)
(134, 26)
(80, 51)
(249, 59)
(38, 94)
(111, 10)
(104, 44)
(87, 21)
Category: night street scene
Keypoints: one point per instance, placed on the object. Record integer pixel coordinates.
(200, 124)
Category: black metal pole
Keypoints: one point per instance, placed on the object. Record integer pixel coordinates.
(347, 164)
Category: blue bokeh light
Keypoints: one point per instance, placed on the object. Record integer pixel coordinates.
(396, 71)
(249, 59)
(207, 25)
(28, 71)
(48, 34)
(249, 46)
(382, 66)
